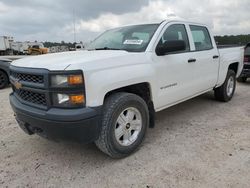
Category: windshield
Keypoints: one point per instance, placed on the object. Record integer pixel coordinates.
(131, 38)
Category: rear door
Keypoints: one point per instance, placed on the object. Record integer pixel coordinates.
(206, 57)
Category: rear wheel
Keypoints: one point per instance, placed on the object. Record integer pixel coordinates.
(3, 79)
(242, 79)
(124, 124)
(226, 91)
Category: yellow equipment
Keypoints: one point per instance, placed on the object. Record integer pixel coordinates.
(36, 50)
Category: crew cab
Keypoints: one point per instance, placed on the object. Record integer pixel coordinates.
(109, 93)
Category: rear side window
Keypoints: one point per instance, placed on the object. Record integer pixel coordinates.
(175, 32)
(202, 40)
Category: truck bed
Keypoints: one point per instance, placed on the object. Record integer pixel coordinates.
(229, 55)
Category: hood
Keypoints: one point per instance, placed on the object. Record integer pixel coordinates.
(78, 60)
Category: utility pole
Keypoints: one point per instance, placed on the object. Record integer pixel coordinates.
(74, 15)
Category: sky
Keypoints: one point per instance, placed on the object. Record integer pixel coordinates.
(47, 20)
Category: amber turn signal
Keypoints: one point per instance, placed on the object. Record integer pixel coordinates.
(77, 99)
(75, 79)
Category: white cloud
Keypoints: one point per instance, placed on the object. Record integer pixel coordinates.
(156, 11)
(223, 16)
(53, 20)
(3, 8)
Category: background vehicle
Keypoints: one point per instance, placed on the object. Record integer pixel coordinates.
(10, 47)
(17, 48)
(109, 93)
(5, 45)
(4, 73)
(246, 69)
(37, 50)
(79, 46)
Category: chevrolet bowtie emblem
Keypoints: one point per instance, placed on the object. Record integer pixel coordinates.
(17, 84)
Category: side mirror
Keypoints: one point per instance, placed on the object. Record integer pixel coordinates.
(170, 46)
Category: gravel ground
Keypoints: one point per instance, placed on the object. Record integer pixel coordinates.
(199, 143)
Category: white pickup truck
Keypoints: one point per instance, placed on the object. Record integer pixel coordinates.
(109, 93)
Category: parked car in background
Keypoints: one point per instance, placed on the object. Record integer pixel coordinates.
(4, 73)
(109, 93)
(246, 68)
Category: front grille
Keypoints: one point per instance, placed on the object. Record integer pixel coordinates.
(31, 96)
(31, 86)
(27, 77)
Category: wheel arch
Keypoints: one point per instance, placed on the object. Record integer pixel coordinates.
(144, 91)
(234, 66)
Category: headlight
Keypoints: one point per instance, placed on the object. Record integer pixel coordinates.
(67, 89)
(66, 80)
(59, 80)
(68, 100)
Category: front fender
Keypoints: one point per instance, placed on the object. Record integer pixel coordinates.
(99, 83)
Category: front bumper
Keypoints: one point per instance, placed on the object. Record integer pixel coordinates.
(82, 125)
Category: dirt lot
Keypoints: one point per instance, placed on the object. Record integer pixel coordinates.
(199, 143)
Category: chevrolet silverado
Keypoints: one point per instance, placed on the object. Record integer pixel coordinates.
(109, 93)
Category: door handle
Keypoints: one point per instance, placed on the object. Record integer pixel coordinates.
(215, 57)
(191, 60)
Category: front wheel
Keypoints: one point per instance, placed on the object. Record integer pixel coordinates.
(226, 91)
(124, 124)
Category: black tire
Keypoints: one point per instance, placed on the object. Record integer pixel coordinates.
(242, 79)
(221, 93)
(4, 80)
(114, 105)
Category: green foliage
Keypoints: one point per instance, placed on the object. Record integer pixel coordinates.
(50, 44)
(232, 39)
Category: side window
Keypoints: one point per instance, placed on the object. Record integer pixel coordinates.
(175, 32)
(202, 40)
